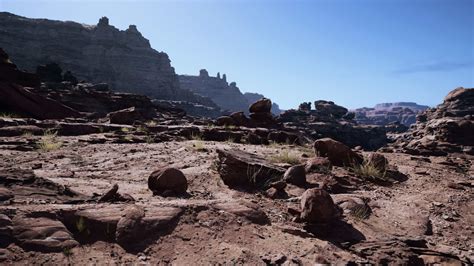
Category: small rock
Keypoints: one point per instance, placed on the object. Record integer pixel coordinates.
(317, 206)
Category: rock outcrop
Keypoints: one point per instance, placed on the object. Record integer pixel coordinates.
(96, 53)
(16, 97)
(445, 129)
(388, 113)
(226, 95)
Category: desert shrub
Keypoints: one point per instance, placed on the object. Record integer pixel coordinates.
(286, 156)
(368, 171)
(360, 212)
(49, 141)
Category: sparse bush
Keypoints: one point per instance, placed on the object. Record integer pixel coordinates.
(360, 212)
(8, 115)
(196, 136)
(81, 225)
(286, 156)
(27, 134)
(150, 139)
(142, 129)
(67, 252)
(151, 123)
(49, 142)
(368, 171)
(125, 129)
(198, 145)
(230, 140)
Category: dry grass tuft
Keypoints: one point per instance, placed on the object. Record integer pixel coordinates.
(286, 156)
(49, 141)
(368, 171)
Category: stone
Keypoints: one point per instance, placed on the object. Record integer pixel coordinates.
(378, 160)
(241, 169)
(50, 72)
(239, 118)
(42, 234)
(338, 153)
(130, 116)
(253, 97)
(330, 108)
(284, 137)
(295, 175)
(5, 194)
(166, 179)
(225, 121)
(317, 206)
(245, 209)
(263, 105)
(318, 165)
(445, 129)
(129, 227)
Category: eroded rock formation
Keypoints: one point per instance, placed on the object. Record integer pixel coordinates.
(387, 113)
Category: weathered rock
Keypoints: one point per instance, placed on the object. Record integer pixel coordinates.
(20, 130)
(112, 195)
(317, 206)
(318, 164)
(245, 209)
(445, 129)
(237, 168)
(263, 105)
(284, 137)
(6, 237)
(225, 121)
(42, 234)
(168, 179)
(338, 153)
(253, 97)
(130, 115)
(295, 175)
(5, 194)
(330, 108)
(129, 227)
(25, 185)
(240, 119)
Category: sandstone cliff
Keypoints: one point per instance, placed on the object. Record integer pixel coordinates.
(226, 95)
(97, 53)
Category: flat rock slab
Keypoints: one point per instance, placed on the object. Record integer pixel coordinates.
(121, 222)
(25, 185)
(244, 209)
(243, 169)
(42, 234)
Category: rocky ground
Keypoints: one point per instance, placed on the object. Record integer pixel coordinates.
(428, 216)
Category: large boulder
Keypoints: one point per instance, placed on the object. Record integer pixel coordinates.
(330, 108)
(263, 105)
(242, 169)
(167, 181)
(317, 206)
(338, 153)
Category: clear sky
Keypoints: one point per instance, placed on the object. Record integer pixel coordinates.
(354, 52)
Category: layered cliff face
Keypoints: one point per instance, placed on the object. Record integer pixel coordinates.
(386, 113)
(97, 53)
(226, 95)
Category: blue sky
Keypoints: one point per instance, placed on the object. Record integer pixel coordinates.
(354, 52)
